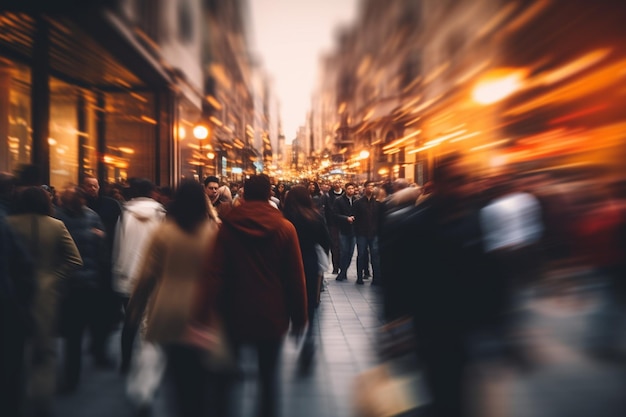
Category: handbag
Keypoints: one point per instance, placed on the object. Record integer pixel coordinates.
(322, 258)
(213, 341)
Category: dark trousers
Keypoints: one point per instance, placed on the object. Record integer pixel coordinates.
(444, 358)
(77, 314)
(368, 246)
(189, 381)
(129, 332)
(12, 345)
(268, 355)
(335, 250)
(348, 242)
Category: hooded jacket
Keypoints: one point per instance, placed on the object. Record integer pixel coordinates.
(139, 219)
(256, 275)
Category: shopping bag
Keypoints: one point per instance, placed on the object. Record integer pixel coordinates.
(322, 259)
(146, 372)
(388, 390)
(213, 341)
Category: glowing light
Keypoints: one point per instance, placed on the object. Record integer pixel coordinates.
(182, 133)
(497, 85)
(364, 154)
(126, 150)
(52, 141)
(200, 132)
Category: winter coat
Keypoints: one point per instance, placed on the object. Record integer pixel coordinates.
(343, 209)
(168, 278)
(55, 256)
(89, 243)
(311, 233)
(140, 217)
(257, 275)
(366, 216)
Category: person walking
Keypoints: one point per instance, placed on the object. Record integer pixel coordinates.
(257, 277)
(300, 210)
(108, 311)
(79, 308)
(344, 218)
(55, 255)
(17, 285)
(166, 283)
(140, 217)
(329, 203)
(366, 224)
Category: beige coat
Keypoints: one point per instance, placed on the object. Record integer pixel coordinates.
(167, 281)
(55, 255)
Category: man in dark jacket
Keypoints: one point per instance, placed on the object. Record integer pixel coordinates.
(257, 277)
(344, 218)
(333, 229)
(367, 218)
(108, 311)
(79, 307)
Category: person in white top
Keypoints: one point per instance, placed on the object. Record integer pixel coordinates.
(140, 217)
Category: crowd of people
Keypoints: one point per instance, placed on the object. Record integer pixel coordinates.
(195, 273)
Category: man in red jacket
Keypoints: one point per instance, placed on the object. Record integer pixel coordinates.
(256, 281)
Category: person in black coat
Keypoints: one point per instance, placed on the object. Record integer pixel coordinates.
(109, 309)
(17, 288)
(300, 210)
(367, 214)
(436, 273)
(344, 219)
(79, 309)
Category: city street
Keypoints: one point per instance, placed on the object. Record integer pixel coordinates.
(348, 324)
(560, 328)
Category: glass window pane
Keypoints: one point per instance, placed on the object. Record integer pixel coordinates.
(16, 148)
(130, 136)
(63, 137)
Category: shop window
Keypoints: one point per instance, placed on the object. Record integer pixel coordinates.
(63, 136)
(15, 112)
(130, 136)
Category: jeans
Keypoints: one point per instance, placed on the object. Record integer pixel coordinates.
(363, 243)
(347, 243)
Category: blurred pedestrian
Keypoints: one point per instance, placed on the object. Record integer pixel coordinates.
(300, 210)
(343, 209)
(257, 277)
(108, 311)
(55, 255)
(165, 288)
(367, 218)
(333, 228)
(79, 304)
(17, 286)
(140, 217)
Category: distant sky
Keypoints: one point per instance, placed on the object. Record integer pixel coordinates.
(289, 37)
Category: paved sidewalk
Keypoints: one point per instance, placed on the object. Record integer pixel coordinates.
(348, 318)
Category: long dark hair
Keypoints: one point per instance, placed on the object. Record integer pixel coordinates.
(298, 203)
(189, 207)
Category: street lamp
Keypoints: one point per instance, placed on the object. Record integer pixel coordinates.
(200, 132)
(211, 156)
(364, 154)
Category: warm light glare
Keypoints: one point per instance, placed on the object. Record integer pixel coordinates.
(364, 154)
(497, 86)
(182, 133)
(200, 132)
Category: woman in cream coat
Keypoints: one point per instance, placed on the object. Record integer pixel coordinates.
(164, 293)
